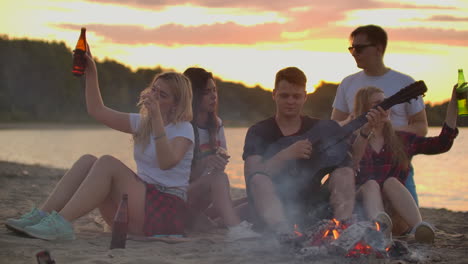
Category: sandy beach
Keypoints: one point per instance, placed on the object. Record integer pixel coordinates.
(23, 186)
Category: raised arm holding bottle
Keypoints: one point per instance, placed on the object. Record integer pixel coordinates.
(163, 150)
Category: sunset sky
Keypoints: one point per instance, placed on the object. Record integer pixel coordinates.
(250, 40)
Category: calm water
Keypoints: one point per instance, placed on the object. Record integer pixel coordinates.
(441, 179)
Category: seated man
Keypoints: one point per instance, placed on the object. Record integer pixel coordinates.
(264, 171)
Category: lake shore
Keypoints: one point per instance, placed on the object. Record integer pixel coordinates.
(23, 186)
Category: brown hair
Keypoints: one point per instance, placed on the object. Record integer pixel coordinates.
(199, 78)
(362, 105)
(375, 34)
(292, 75)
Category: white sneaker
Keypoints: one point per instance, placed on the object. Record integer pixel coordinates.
(241, 231)
(424, 233)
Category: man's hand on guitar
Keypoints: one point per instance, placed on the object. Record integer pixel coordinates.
(302, 149)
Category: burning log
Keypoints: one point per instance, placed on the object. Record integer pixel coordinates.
(331, 237)
(350, 237)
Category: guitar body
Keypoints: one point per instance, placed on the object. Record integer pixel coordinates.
(329, 149)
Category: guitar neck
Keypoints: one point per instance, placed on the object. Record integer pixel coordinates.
(411, 91)
(354, 125)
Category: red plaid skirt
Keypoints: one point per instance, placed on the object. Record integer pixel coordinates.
(165, 214)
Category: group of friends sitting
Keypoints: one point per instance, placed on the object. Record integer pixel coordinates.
(180, 154)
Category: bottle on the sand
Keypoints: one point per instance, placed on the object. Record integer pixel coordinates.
(120, 224)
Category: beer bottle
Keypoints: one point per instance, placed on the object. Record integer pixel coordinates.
(79, 60)
(43, 257)
(120, 224)
(462, 94)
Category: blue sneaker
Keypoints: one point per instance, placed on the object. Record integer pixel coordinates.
(52, 227)
(29, 219)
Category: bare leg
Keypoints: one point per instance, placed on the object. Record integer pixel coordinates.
(218, 187)
(369, 194)
(221, 198)
(68, 184)
(402, 201)
(342, 193)
(267, 203)
(107, 180)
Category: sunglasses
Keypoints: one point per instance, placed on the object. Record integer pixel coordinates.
(359, 47)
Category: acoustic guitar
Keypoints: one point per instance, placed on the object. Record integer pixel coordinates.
(330, 147)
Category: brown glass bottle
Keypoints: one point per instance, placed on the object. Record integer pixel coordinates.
(43, 257)
(79, 60)
(120, 224)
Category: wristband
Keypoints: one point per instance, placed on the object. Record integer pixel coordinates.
(160, 136)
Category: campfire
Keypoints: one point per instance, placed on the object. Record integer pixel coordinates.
(333, 237)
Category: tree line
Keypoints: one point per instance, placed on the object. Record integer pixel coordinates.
(36, 84)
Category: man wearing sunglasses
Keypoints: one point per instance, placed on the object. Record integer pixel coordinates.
(368, 44)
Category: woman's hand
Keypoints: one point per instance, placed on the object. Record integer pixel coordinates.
(215, 161)
(151, 100)
(90, 64)
(375, 117)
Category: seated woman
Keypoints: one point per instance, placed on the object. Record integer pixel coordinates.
(209, 184)
(163, 151)
(381, 156)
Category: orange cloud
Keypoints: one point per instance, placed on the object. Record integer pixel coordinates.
(447, 19)
(174, 34)
(269, 4)
(430, 35)
(312, 19)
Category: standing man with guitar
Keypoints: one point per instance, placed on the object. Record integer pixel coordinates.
(266, 180)
(368, 44)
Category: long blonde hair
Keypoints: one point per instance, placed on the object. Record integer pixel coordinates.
(362, 104)
(182, 91)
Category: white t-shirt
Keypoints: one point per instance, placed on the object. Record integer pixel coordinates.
(204, 139)
(146, 159)
(391, 82)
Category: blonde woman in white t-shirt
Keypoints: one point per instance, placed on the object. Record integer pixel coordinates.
(163, 139)
(209, 184)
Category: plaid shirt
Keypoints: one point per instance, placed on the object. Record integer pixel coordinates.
(379, 166)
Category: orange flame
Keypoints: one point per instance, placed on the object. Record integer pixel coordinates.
(296, 230)
(377, 226)
(336, 235)
(337, 223)
(326, 233)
